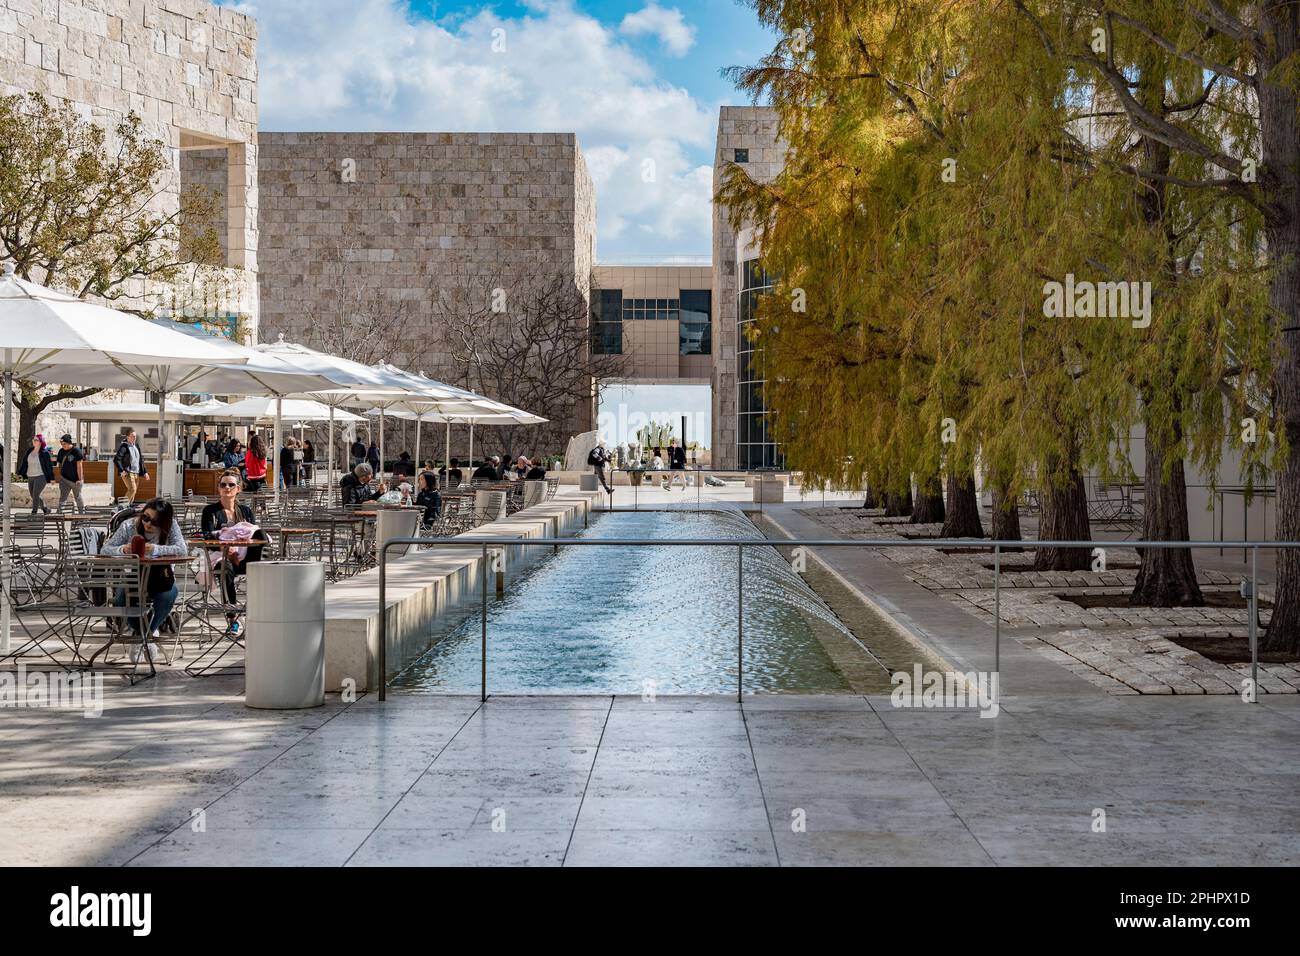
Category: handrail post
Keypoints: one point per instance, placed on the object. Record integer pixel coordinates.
(997, 610)
(1253, 604)
(483, 620)
(383, 622)
(740, 623)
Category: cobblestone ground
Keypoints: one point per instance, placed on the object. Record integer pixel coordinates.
(1126, 650)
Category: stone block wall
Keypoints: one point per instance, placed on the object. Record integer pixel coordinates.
(753, 128)
(369, 223)
(186, 67)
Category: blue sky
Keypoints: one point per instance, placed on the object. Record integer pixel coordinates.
(637, 80)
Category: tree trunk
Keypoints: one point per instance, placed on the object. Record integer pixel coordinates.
(963, 518)
(868, 496)
(1006, 518)
(1064, 518)
(898, 505)
(1167, 577)
(1278, 105)
(929, 501)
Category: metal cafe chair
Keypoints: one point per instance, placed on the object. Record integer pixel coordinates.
(41, 623)
(100, 581)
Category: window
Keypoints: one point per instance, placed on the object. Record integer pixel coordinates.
(754, 449)
(607, 314)
(695, 332)
(742, 155)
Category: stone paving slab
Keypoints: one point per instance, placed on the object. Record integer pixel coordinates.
(1121, 650)
(776, 780)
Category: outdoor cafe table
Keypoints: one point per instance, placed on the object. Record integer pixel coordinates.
(226, 640)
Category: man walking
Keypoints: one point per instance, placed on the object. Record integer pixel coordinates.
(676, 465)
(72, 474)
(130, 464)
(599, 459)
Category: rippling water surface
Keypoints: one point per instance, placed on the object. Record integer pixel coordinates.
(611, 619)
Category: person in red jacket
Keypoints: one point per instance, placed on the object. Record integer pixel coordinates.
(255, 463)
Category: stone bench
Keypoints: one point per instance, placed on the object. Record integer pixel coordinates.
(426, 583)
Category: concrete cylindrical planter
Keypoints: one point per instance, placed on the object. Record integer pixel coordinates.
(284, 656)
(395, 523)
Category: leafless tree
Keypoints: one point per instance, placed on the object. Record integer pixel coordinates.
(526, 342)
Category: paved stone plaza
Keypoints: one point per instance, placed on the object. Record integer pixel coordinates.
(178, 771)
(599, 780)
(1123, 650)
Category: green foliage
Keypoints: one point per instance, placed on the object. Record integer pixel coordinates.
(946, 160)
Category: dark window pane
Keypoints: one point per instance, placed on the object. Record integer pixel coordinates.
(742, 155)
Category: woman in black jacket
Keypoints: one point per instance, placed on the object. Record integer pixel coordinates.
(38, 468)
(228, 510)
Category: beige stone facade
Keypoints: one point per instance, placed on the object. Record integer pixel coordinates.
(654, 346)
(186, 67)
(753, 129)
(411, 217)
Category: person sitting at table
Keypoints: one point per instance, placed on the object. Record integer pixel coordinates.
(228, 510)
(488, 471)
(522, 465)
(454, 477)
(537, 472)
(428, 497)
(157, 525)
(355, 487)
(404, 467)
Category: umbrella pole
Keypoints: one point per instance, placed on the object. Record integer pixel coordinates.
(418, 463)
(446, 456)
(275, 455)
(329, 475)
(380, 476)
(471, 447)
(162, 443)
(8, 516)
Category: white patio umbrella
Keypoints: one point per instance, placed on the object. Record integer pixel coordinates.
(459, 415)
(298, 409)
(239, 369)
(43, 333)
(349, 382)
(429, 395)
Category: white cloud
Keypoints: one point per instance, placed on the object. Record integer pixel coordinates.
(364, 65)
(668, 25)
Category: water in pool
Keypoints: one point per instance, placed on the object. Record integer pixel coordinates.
(626, 620)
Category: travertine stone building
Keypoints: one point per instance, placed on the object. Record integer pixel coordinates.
(747, 135)
(189, 69)
(374, 222)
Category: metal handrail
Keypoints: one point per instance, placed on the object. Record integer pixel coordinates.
(969, 543)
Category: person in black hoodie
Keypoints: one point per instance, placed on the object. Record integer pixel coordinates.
(358, 452)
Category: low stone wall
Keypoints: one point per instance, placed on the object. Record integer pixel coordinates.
(426, 583)
(92, 493)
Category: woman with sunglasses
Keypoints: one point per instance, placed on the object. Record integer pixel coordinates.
(157, 524)
(228, 510)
